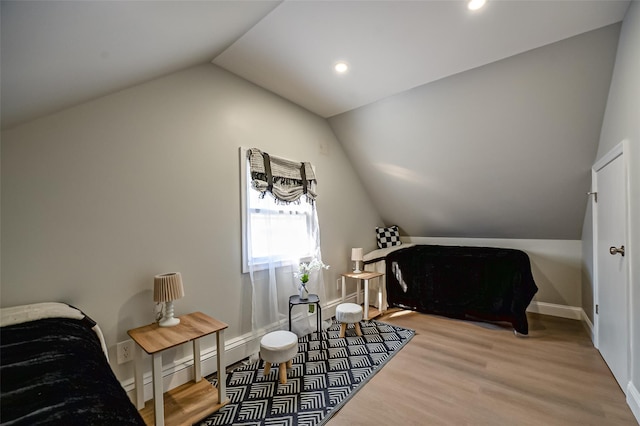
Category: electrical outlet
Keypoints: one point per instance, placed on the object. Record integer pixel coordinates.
(338, 282)
(124, 351)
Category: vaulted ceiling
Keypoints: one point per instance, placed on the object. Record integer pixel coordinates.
(500, 151)
(459, 123)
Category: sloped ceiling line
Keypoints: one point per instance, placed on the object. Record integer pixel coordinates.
(490, 119)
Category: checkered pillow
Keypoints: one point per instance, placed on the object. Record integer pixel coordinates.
(388, 237)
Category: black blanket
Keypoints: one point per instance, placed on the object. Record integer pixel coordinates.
(53, 371)
(486, 283)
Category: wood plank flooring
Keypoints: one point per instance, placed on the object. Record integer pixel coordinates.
(467, 373)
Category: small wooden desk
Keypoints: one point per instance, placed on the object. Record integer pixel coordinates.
(363, 276)
(191, 401)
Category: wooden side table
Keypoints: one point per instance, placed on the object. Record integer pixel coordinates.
(364, 276)
(191, 401)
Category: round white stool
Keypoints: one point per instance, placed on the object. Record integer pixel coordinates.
(278, 347)
(349, 313)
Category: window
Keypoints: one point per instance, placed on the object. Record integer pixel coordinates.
(277, 234)
(273, 232)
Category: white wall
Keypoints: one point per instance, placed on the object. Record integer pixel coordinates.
(99, 198)
(622, 121)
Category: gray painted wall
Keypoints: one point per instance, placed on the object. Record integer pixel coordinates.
(622, 121)
(501, 151)
(99, 198)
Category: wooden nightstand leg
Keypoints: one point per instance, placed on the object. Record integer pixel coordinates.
(197, 365)
(222, 365)
(366, 299)
(158, 398)
(138, 379)
(267, 368)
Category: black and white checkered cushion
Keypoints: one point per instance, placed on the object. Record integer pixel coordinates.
(388, 237)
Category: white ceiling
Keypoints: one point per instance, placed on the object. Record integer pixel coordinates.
(393, 46)
(56, 54)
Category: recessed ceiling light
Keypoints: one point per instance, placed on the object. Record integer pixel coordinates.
(476, 4)
(341, 67)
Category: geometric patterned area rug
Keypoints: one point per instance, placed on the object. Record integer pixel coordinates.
(320, 382)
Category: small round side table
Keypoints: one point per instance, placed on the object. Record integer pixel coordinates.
(313, 299)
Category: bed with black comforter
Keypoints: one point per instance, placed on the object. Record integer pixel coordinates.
(54, 371)
(494, 284)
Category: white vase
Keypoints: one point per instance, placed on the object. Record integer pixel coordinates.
(304, 293)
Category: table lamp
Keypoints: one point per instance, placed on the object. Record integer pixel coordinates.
(167, 288)
(356, 256)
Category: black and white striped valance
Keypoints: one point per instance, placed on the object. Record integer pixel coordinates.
(286, 180)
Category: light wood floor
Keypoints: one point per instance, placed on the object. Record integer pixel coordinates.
(466, 373)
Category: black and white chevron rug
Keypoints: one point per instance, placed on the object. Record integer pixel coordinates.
(320, 382)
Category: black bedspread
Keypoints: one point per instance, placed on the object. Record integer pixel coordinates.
(486, 283)
(53, 371)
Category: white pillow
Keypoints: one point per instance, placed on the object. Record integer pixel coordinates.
(382, 253)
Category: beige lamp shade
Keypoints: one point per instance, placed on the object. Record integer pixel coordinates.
(167, 287)
(356, 254)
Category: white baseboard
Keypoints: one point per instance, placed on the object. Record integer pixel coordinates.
(633, 400)
(236, 349)
(562, 311)
(588, 325)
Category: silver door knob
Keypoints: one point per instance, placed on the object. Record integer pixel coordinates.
(615, 250)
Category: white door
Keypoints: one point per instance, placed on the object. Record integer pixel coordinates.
(612, 299)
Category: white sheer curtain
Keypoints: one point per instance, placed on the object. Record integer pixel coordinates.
(280, 235)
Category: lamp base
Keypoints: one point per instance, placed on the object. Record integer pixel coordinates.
(169, 322)
(356, 267)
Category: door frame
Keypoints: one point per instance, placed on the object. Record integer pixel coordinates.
(620, 150)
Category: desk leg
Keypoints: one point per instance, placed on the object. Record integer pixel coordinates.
(158, 400)
(383, 284)
(344, 290)
(380, 307)
(319, 323)
(222, 373)
(358, 290)
(197, 365)
(290, 306)
(138, 379)
(366, 300)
